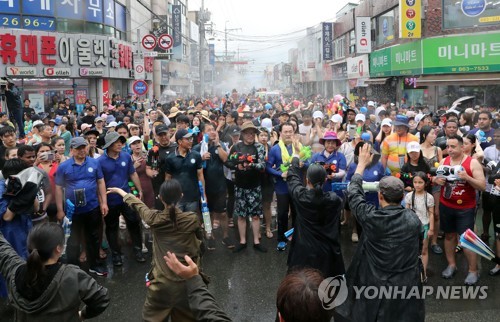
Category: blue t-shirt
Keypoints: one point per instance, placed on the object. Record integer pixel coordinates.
(486, 140)
(372, 174)
(82, 178)
(274, 161)
(336, 158)
(116, 174)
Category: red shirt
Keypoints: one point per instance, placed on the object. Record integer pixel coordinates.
(463, 195)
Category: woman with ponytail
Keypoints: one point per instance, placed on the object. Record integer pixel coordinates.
(315, 241)
(173, 231)
(43, 289)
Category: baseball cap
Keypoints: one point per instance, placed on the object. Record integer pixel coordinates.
(370, 103)
(98, 119)
(182, 133)
(112, 124)
(133, 139)
(267, 123)
(413, 147)
(38, 122)
(162, 128)
(360, 118)
(391, 188)
(78, 142)
(318, 114)
(386, 121)
(336, 118)
(235, 130)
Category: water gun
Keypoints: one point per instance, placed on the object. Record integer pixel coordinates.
(204, 148)
(450, 173)
(146, 279)
(481, 136)
(155, 156)
(207, 223)
(289, 233)
(329, 167)
(240, 158)
(305, 154)
(133, 188)
(367, 186)
(67, 222)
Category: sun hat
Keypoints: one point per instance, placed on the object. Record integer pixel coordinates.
(330, 135)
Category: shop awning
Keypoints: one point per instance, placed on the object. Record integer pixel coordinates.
(376, 81)
(459, 79)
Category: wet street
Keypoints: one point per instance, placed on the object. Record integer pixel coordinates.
(245, 285)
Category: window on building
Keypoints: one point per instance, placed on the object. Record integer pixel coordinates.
(109, 31)
(68, 25)
(339, 47)
(352, 42)
(385, 28)
(94, 28)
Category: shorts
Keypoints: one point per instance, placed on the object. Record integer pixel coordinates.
(247, 202)
(456, 220)
(217, 202)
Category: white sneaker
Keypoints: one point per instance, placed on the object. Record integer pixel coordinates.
(354, 238)
(145, 250)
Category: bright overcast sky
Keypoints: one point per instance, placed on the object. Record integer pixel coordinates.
(265, 18)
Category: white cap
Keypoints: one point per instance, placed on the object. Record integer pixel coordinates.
(419, 117)
(37, 122)
(413, 147)
(336, 118)
(370, 103)
(133, 139)
(387, 121)
(318, 114)
(112, 124)
(267, 123)
(360, 117)
(85, 126)
(392, 104)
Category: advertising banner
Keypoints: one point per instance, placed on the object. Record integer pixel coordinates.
(410, 24)
(470, 13)
(477, 53)
(358, 67)
(177, 24)
(406, 59)
(37, 102)
(327, 40)
(363, 35)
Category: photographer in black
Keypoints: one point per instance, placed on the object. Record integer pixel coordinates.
(14, 105)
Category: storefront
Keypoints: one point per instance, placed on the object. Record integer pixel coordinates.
(358, 71)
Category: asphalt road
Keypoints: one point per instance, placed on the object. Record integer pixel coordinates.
(245, 285)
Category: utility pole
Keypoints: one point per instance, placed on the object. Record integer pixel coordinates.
(225, 42)
(201, 22)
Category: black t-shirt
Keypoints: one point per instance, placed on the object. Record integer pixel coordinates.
(185, 170)
(29, 111)
(88, 119)
(411, 169)
(156, 160)
(250, 178)
(213, 171)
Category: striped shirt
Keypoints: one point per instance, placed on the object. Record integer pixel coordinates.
(394, 147)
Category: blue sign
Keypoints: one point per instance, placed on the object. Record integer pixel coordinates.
(10, 21)
(473, 8)
(140, 87)
(109, 12)
(39, 7)
(327, 40)
(39, 23)
(9, 6)
(71, 9)
(93, 11)
(120, 17)
(177, 25)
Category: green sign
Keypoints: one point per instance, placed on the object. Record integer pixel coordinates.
(380, 63)
(406, 59)
(462, 54)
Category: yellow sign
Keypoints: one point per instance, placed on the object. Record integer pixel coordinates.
(410, 15)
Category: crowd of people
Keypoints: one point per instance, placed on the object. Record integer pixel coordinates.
(139, 168)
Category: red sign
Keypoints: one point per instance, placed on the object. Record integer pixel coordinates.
(149, 42)
(105, 91)
(165, 41)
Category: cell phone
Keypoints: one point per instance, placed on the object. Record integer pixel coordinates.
(50, 156)
(351, 130)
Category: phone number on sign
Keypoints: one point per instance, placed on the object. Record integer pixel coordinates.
(473, 69)
(28, 22)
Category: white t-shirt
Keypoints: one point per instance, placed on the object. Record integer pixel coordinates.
(420, 207)
(304, 129)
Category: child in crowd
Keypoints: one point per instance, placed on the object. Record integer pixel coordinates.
(422, 203)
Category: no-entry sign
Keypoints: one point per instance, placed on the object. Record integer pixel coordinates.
(140, 87)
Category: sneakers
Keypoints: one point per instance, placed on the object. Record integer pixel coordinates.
(436, 249)
(117, 259)
(145, 250)
(281, 246)
(260, 248)
(227, 242)
(139, 256)
(354, 237)
(239, 248)
(100, 270)
(211, 244)
(471, 279)
(449, 272)
(495, 271)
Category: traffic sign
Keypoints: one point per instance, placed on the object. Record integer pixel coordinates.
(139, 71)
(165, 41)
(150, 53)
(140, 87)
(149, 42)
